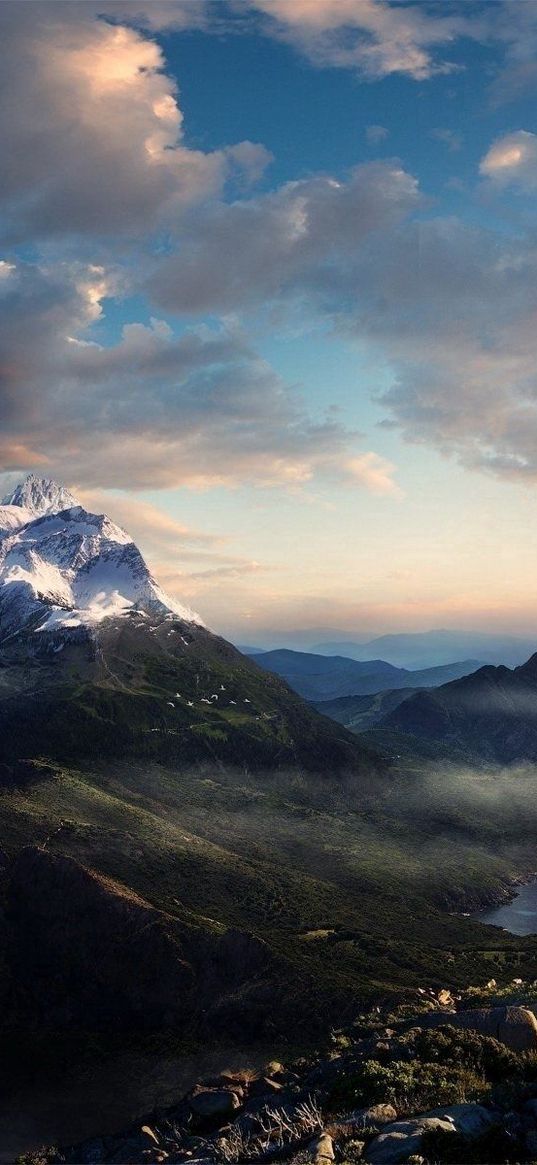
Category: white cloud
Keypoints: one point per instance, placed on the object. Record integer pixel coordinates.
(94, 143)
(373, 472)
(512, 160)
(372, 36)
(153, 410)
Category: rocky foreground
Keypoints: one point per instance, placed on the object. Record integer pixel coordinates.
(453, 1083)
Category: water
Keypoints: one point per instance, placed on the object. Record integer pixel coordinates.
(518, 916)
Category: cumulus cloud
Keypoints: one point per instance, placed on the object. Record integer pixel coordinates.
(152, 410)
(94, 143)
(372, 36)
(238, 254)
(446, 310)
(512, 160)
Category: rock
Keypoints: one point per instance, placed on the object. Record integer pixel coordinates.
(469, 1119)
(403, 1139)
(130, 1152)
(264, 1086)
(374, 1116)
(516, 1027)
(321, 1149)
(214, 1103)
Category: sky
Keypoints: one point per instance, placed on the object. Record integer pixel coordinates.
(269, 298)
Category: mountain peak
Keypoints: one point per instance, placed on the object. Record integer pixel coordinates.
(64, 568)
(40, 495)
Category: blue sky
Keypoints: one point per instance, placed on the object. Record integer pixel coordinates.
(268, 276)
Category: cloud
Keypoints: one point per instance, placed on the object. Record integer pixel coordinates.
(94, 142)
(235, 255)
(512, 161)
(443, 310)
(374, 37)
(146, 522)
(373, 472)
(376, 134)
(154, 409)
(448, 137)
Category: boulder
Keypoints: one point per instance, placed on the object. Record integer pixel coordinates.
(264, 1086)
(469, 1119)
(321, 1149)
(402, 1140)
(217, 1102)
(516, 1027)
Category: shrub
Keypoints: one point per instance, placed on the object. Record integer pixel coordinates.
(409, 1086)
(452, 1046)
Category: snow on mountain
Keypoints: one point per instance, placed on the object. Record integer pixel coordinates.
(63, 567)
(40, 495)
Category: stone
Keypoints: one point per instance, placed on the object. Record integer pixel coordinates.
(264, 1086)
(402, 1140)
(516, 1027)
(469, 1119)
(374, 1116)
(214, 1103)
(321, 1149)
(130, 1151)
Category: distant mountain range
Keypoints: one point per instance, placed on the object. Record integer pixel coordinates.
(492, 712)
(413, 651)
(426, 649)
(318, 677)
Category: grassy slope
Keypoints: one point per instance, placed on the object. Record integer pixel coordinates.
(119, 697)
(273, 853)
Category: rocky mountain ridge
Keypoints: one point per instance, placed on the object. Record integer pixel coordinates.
(64, 568)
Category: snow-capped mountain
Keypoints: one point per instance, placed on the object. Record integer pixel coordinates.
(62, 567)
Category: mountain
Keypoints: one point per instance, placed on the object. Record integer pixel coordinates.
(426, 649)
(359, 713)
(96, 659)
(318, 677)
(63, 568)
(493, 713)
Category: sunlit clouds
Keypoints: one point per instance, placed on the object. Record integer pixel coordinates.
(268, 295)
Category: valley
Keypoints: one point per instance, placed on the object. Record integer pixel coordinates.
(265, 873)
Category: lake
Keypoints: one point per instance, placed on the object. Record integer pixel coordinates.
(518, 916)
